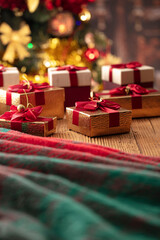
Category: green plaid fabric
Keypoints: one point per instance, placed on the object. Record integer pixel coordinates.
(83, 196)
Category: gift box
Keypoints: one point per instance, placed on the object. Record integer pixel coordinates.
(8, 76)
(50, 98)
(27, 120)
(142, 104)
(75, 80)
(41, 127)
(123, 74)
(98, 122)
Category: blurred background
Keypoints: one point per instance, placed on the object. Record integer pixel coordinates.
(133, 26)
(37, 34)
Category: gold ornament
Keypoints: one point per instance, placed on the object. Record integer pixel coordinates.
(32, 5)
(62, 24)
(20, 108)
(16, 41)
(127, 90)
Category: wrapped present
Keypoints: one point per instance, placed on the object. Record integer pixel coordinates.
(8, 76)
(98, 117)
(75, 80)
(143, 102)
(27, 121)
(123, 74)
(50, 98)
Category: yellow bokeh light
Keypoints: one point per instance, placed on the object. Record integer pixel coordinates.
(85, 15)
(91, 56)
(54, 43)
(78, 58)
(46, 63)
(37, 78)
(62, 28)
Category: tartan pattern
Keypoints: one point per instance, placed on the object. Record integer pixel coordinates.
(60, 189)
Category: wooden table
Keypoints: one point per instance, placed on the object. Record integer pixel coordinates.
(144, 137)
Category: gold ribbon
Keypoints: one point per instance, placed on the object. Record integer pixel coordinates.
(16, 41)
(32, 5)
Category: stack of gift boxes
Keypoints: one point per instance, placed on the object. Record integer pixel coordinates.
(34, 108)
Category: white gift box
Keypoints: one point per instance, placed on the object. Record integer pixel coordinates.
(8, 77)
(125, 76)
(76, 83)
(62, 78)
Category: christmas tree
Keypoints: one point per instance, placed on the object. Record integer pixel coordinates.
(39, 34)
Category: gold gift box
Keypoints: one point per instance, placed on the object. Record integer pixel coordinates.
(97, 123)
(38, 128)
(54, 101)
(150, 104)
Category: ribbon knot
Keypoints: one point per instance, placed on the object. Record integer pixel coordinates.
(95, 104)
(130, 89)
(127, 65)
(28, 114)
(27, 86)
(70, 68)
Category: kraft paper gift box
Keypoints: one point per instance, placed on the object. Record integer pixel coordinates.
(51, 99)
(98, 123)
(8, 76)
(122, 74)
(75, 80)
(41, 127)
(147, 105)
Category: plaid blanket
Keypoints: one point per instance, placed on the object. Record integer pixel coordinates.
(65, 190)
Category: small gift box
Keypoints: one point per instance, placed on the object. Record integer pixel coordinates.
(75, 80)
(27, 121)
(98, 118)
(143, 102)
(123, 74)
(50, 98)
(8, 76)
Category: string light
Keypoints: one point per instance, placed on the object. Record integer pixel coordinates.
(30, 45)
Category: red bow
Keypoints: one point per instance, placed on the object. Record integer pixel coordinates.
(93, 105)
(70, 68)
(127, 65)
(2, 68)
(28, 114)
(28, 87)
(130, 89)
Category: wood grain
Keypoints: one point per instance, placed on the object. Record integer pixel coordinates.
(144, 137)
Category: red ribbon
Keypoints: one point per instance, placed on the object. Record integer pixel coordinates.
(72, 73)
(28, 87)
(93, 105)
(25, 115)
(131, 65)
(130, 89)
(134, 90)
(28, 114)
(2, 69)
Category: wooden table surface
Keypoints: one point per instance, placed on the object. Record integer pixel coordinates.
(144, 137)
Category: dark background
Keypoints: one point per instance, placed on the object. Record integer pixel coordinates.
(133, 26)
